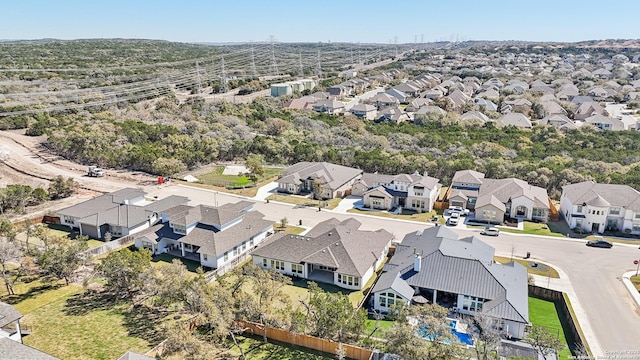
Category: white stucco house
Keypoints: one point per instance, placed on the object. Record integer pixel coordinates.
(216, 237)
(334, 252)
(416, 192)
(595, 207)
(336, 180)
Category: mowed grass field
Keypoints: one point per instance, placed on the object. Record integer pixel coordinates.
(544, 313)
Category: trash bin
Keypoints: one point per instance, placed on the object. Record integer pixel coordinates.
(528, 255)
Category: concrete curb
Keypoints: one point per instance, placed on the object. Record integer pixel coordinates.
(626, 280)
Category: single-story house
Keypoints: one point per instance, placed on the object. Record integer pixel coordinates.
(460, 273)
(595, 207)
(121, 213)
(365, 111)
(336, 180)
(216, 237)
(514, 119)
(333, 107)
(334, 252)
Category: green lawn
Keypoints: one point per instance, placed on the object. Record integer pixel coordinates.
(635, 280)
(216, 178)
(544, 313)
(255, 349)
(527, 264)
(293, 230)
(158, 260)
(382, 326)
(534, 228)
(406, 215)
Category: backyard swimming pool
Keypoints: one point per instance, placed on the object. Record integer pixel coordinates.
(462, 337)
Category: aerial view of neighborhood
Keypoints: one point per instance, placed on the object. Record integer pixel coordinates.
(180, 191)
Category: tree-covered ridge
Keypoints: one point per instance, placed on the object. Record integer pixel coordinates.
(170, 137)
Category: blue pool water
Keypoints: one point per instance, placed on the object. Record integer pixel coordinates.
(462, 337)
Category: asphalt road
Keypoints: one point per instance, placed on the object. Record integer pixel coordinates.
(613, 318)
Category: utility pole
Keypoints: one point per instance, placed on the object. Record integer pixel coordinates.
(359, 53)
(395, 41)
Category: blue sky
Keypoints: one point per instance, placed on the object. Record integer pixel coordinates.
(328, 20)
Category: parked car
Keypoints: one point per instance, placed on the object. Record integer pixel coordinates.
(458, 209)
(600, 244)
(490, 231)
(454, 219)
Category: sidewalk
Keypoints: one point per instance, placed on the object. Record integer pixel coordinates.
(626, 280)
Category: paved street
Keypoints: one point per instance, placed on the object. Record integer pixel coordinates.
(612, 321)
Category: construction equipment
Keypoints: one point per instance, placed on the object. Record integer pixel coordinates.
(95, 171)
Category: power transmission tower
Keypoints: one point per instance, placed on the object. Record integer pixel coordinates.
(274, 64)
(319, 70)
(223, 77)
(198, 79)
(301, 69)
(254, 72)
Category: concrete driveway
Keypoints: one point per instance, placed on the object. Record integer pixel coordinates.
(265, 191)
(347, 203)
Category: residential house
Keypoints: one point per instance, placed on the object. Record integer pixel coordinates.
(335, 180)
(382, 100)
(490, 94)
(517, 105)
(474, 116)
(339, 90)
(402, 97)
(392, 114)
(407, 89)
(514, 119)
(216, 237)
(11, 346)
(552, 107)
(580, 99)
(429, 112)
(364, 111)
(465, 186)
(458, 99)
(385, 192)
(333, 107)
(559, 121)
(595, 207)
(334, 252)
(459, 273)
(487, 104)
(606, 123)
(499, 199)
(305, 102)
(121, 213)
(416, 104)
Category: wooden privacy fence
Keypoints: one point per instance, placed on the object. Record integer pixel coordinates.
(311, 342)
(554, 215)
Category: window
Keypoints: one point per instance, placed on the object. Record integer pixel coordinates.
(389, 299)
(579, 222)
(179, 229)
(579, 211)
(235, 251)
(489, 215)
(349, 280)
(204, 257)
(636, 227)
(251, 242)
(614, 211)
(278, 265)
(69, 219)
(226, 256)
(296, 268)
(472, 303)
(244, 246)
(264, 263)
(538, 212)
(637, 215)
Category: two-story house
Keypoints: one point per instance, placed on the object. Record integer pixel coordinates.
(216, 237)
(334, 252)
(121, 213)
(11, 346)
(594, 207)
(384, 192)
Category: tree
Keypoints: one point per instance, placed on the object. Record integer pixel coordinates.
(59, 188)
(436, 342)
(167, 167)
(487, 338)
(61, 257)
(317, 189)
(9, 252)
(332, 316)
(543, 341)
(123, 271)
(283, 222)
(254, 165)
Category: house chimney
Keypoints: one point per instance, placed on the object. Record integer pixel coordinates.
(417, 263)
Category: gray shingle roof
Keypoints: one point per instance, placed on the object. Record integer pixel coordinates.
(461, 266)
(614, 194)
(331, 243)
(468, 177)
(515, 119)
(332, 175)
(8, 314)
(392, 280)
(505, 189)
(13, 350)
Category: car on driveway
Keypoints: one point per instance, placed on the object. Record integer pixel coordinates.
(490, 231)
(454, 219)
(458, 209)
(600, 244)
